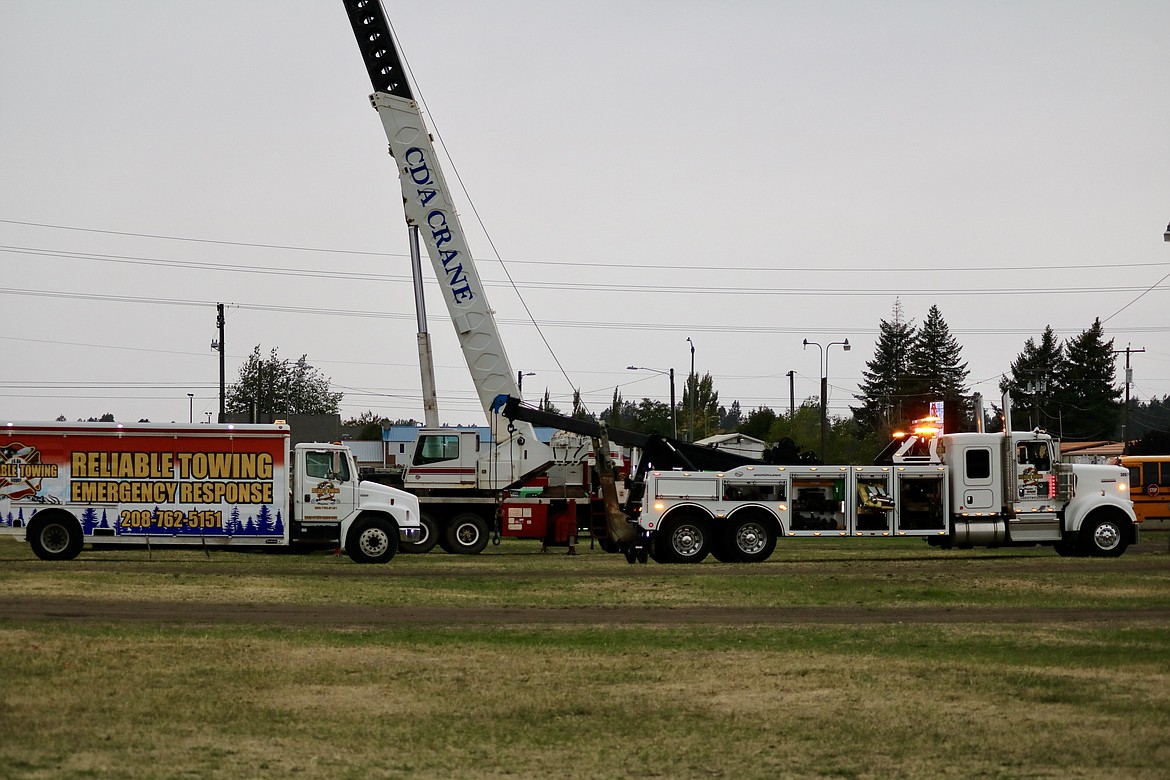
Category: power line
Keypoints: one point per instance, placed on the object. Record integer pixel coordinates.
(575, 324)
(773, 268)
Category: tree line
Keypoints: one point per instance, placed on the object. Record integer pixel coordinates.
(1064, 386)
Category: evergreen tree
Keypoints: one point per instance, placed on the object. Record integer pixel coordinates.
(1090, 403)
(937, 373)
(885, 377)
(1152, 415)
(1033, 383)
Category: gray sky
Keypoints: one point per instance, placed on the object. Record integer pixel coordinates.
(748, 174)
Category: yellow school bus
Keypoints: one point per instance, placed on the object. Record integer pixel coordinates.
(1149, 485)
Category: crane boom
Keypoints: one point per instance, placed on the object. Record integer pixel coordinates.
(428, 205)
(515, 453)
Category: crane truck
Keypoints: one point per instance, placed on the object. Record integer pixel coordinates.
(65, 485)
(459, 480)
(973, 489)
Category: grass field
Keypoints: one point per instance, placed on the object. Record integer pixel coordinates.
(834, 659)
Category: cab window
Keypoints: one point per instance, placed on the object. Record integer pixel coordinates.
(317, 464)
(432, 449)
(978, 463)
(1034, 453)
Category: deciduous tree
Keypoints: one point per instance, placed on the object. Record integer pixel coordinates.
(279, 386)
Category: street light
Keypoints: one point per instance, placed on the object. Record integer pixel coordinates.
(520, 380)
(669, 373)
(824, 366)
(190, 408)
(691, 382)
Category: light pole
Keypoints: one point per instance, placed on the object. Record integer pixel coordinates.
(824, 366)
(791, 394)
(670, 373)
(190, 408)
(691, 392)
(520, 380)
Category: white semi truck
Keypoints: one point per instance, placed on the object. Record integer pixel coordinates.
(972, 489)
(65, 485)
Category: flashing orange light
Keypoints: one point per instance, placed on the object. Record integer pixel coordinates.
(926, 430)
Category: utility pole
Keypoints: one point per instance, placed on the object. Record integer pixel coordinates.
(1128, 381)
(791, 394)
(218, 345)
(691, 432)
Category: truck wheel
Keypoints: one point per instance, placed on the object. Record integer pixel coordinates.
(372, 540)
(467, 534)
(430, 536)
(55, 536)
(684, 539)
(752, 540)
(1104, 536)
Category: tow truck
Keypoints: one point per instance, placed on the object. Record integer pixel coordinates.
(958, 490)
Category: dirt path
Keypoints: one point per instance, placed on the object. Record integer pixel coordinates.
(22, 609)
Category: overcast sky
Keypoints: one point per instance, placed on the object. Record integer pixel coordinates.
(746, 174)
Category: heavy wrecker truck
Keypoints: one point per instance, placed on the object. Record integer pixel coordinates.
(962, 490)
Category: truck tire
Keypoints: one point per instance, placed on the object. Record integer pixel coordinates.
(683, 539)
(467, 534)
(1104, 534)
(430, 536)
(372, 540)
(55, 536)
(752, 539)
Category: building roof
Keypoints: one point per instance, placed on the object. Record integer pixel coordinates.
(408, 433)
(1101, 449)
(730, 438)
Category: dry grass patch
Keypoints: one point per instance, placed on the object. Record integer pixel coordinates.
(571, 702)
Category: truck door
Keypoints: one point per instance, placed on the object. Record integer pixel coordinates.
(1035, 515)
(327, 486)
(1035, 479)
(974, 479)
(444, 459)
